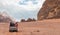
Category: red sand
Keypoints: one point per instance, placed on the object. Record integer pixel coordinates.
(45, 27)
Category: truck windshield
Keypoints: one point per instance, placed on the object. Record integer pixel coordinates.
(12, 24)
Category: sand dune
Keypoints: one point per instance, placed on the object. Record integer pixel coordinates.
(45, 27)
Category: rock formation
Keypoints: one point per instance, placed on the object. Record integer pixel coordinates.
(28, 20)
(4, 17)
(23, 20)
(50, 10)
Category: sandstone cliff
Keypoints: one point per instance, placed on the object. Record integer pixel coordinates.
(4, 17)
(50, 10)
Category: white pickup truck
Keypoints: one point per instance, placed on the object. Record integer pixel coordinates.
(13, 28)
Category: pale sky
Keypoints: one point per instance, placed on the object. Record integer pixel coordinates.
(21, 9)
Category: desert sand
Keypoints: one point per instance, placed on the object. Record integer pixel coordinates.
(44, 27)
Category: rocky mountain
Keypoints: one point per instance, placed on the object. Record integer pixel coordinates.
(50, 10)
(4, 17)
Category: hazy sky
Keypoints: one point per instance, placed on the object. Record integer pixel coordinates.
(21, 9)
